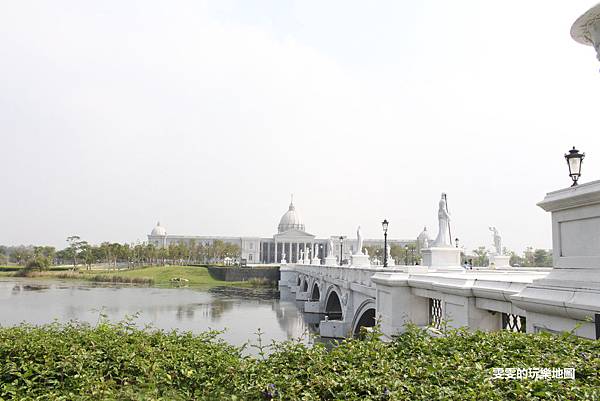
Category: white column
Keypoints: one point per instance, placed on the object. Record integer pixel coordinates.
(275, 254)
(297, 251)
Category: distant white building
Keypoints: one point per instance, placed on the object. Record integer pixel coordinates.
(291, 238)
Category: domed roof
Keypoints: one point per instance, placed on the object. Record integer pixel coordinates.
(424, 234)
(290, 220)
(159, 230)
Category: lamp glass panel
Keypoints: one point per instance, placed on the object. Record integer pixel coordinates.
(575, 165)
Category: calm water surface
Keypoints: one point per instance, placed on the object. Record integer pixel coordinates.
(239, 311)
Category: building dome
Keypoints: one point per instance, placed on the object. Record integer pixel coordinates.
(424, 235)
(423, 239)
(159, 230)
(290, 220)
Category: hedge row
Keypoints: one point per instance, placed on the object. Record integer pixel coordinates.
(116, 361)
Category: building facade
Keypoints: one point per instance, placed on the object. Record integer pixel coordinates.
(291, 242)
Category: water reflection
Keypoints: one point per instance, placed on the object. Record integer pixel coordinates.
(238, 311)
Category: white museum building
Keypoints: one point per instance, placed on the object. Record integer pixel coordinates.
(291, 242)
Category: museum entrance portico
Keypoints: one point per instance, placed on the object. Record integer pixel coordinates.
(294, 244)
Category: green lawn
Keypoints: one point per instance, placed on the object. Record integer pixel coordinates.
(162, 275)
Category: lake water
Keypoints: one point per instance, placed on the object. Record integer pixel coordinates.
(239, 311)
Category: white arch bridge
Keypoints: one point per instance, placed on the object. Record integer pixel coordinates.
(344, 298)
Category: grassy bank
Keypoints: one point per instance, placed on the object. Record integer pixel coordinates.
(154, 275)
(78, 362)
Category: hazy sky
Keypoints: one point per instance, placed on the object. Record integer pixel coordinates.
(207, 115)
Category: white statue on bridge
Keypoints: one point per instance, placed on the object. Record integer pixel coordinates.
(330, 248)
(497, 240)
(359, 242)
(388, 253)
(443, 237)
(283, 261)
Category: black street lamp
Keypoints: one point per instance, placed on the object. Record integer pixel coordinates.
(574, 160)
(341, 247)
(456, 242)
(384, 224)
(406, 255)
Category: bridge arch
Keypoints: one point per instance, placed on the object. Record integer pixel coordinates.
(298, 281)
(315, 294)
(333, 305)
(305, 285)
(365, 316)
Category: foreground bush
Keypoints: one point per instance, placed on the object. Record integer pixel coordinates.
(79, 362)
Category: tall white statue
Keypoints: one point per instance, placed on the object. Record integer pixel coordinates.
(443, 238)
(283, 257)
(301, 258)
(307, 254)
(359, 242)
(388, 252)
(330, 248)
(497, 240)
(316, 251)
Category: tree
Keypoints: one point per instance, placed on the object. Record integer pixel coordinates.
(515, 259)
(528, 257)
(75, 245)
(46, 252)
(542, 258)
(86, 253)
(22, 254)
(481, 256)
(38, 262)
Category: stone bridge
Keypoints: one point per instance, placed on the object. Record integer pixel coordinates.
(563, 298)
(344, 296)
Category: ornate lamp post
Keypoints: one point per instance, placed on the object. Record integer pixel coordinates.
(384, 224)
(574, 159)
(406, 254)
(341, 248)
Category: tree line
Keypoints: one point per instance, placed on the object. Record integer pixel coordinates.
(80, 252)
(529, 258)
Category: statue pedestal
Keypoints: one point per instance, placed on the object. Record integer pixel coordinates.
(330, 261)
(569, 296)
(448, 257)
(359, 260)
(316, 262)
(500, 261)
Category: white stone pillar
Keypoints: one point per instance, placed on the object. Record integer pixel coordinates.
(275, 254)
(297, 251)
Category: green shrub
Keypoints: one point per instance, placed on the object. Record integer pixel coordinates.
(38, 263)
(115, 361)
